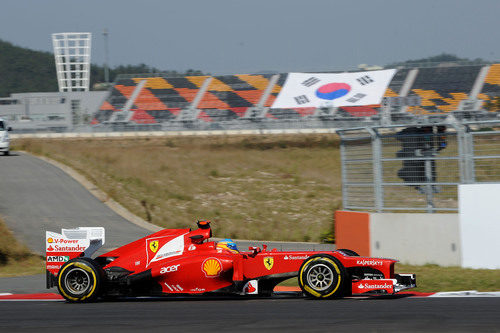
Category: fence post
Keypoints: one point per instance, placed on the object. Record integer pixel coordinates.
(377, 169)
(469, 156)
(343, 169)
(463, 165)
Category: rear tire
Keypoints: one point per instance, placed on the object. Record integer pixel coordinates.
(323, 276)
(80, 280)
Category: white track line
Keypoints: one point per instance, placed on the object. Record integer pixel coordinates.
(467, 293)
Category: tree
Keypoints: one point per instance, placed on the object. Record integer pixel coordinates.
(443, 57)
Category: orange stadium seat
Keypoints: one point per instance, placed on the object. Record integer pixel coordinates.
(491, 88)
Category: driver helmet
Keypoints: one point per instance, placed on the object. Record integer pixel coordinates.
(228, 244)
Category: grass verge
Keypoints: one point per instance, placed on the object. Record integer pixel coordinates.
(432, 278)
(260, 187)
(15, 258)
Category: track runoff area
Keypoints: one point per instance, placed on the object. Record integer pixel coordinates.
(286, 310)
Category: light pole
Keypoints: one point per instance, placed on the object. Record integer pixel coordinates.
(106, 69)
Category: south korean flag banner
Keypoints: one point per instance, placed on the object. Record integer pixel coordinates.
(319, 90)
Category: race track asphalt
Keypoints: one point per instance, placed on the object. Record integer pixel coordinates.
(257, 315)
(36, 196)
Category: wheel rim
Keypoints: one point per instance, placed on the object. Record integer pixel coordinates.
(77, 281)
(320, 277)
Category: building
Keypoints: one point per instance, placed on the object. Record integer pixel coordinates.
(50, 111)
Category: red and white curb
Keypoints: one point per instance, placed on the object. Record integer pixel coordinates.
(30, 297)
(280, 289)
(467, 293)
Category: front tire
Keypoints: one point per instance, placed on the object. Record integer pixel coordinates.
(80, 280)
(348, 252)
(322, 276)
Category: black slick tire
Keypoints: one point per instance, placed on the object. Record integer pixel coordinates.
(323, 276)
(80, 280)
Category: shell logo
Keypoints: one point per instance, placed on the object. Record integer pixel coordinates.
(50, 240)
(211, 267)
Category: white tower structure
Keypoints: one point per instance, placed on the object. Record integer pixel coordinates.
(72, 55)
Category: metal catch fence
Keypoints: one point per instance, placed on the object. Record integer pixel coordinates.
(417, 167)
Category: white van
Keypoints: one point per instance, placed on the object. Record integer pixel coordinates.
(4, 137)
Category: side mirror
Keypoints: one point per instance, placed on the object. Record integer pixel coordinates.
(196, 237)
(9, 128)
(255, 250)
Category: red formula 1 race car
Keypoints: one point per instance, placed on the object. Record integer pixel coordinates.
(185, 262)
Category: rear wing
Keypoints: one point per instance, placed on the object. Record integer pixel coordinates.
(69, 244)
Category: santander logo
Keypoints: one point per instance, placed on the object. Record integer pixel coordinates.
(375, 286)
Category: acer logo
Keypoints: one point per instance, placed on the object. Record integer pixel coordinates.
(169, 269)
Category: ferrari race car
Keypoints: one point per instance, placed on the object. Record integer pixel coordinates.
(185, 262)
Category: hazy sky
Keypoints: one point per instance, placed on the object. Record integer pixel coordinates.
(233, 36)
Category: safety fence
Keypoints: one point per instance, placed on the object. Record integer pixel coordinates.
(417, 167)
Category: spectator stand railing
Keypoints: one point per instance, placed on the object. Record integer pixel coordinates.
(416, 167)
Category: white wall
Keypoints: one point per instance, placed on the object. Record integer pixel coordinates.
(416, 239)
(479, 206)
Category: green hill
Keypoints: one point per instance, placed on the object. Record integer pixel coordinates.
(25, 70)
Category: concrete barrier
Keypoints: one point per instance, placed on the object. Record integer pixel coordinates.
(172, 133)
(352, 231)
(416, 238)
(412, 238)
(479, 206)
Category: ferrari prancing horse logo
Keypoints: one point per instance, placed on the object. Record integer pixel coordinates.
(153, 246)
(268, 262)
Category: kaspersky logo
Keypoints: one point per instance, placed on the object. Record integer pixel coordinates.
(369, 262)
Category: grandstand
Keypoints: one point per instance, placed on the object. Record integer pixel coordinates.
(224, 98)
(244, 100)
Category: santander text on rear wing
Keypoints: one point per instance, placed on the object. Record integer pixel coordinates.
(69, 244)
